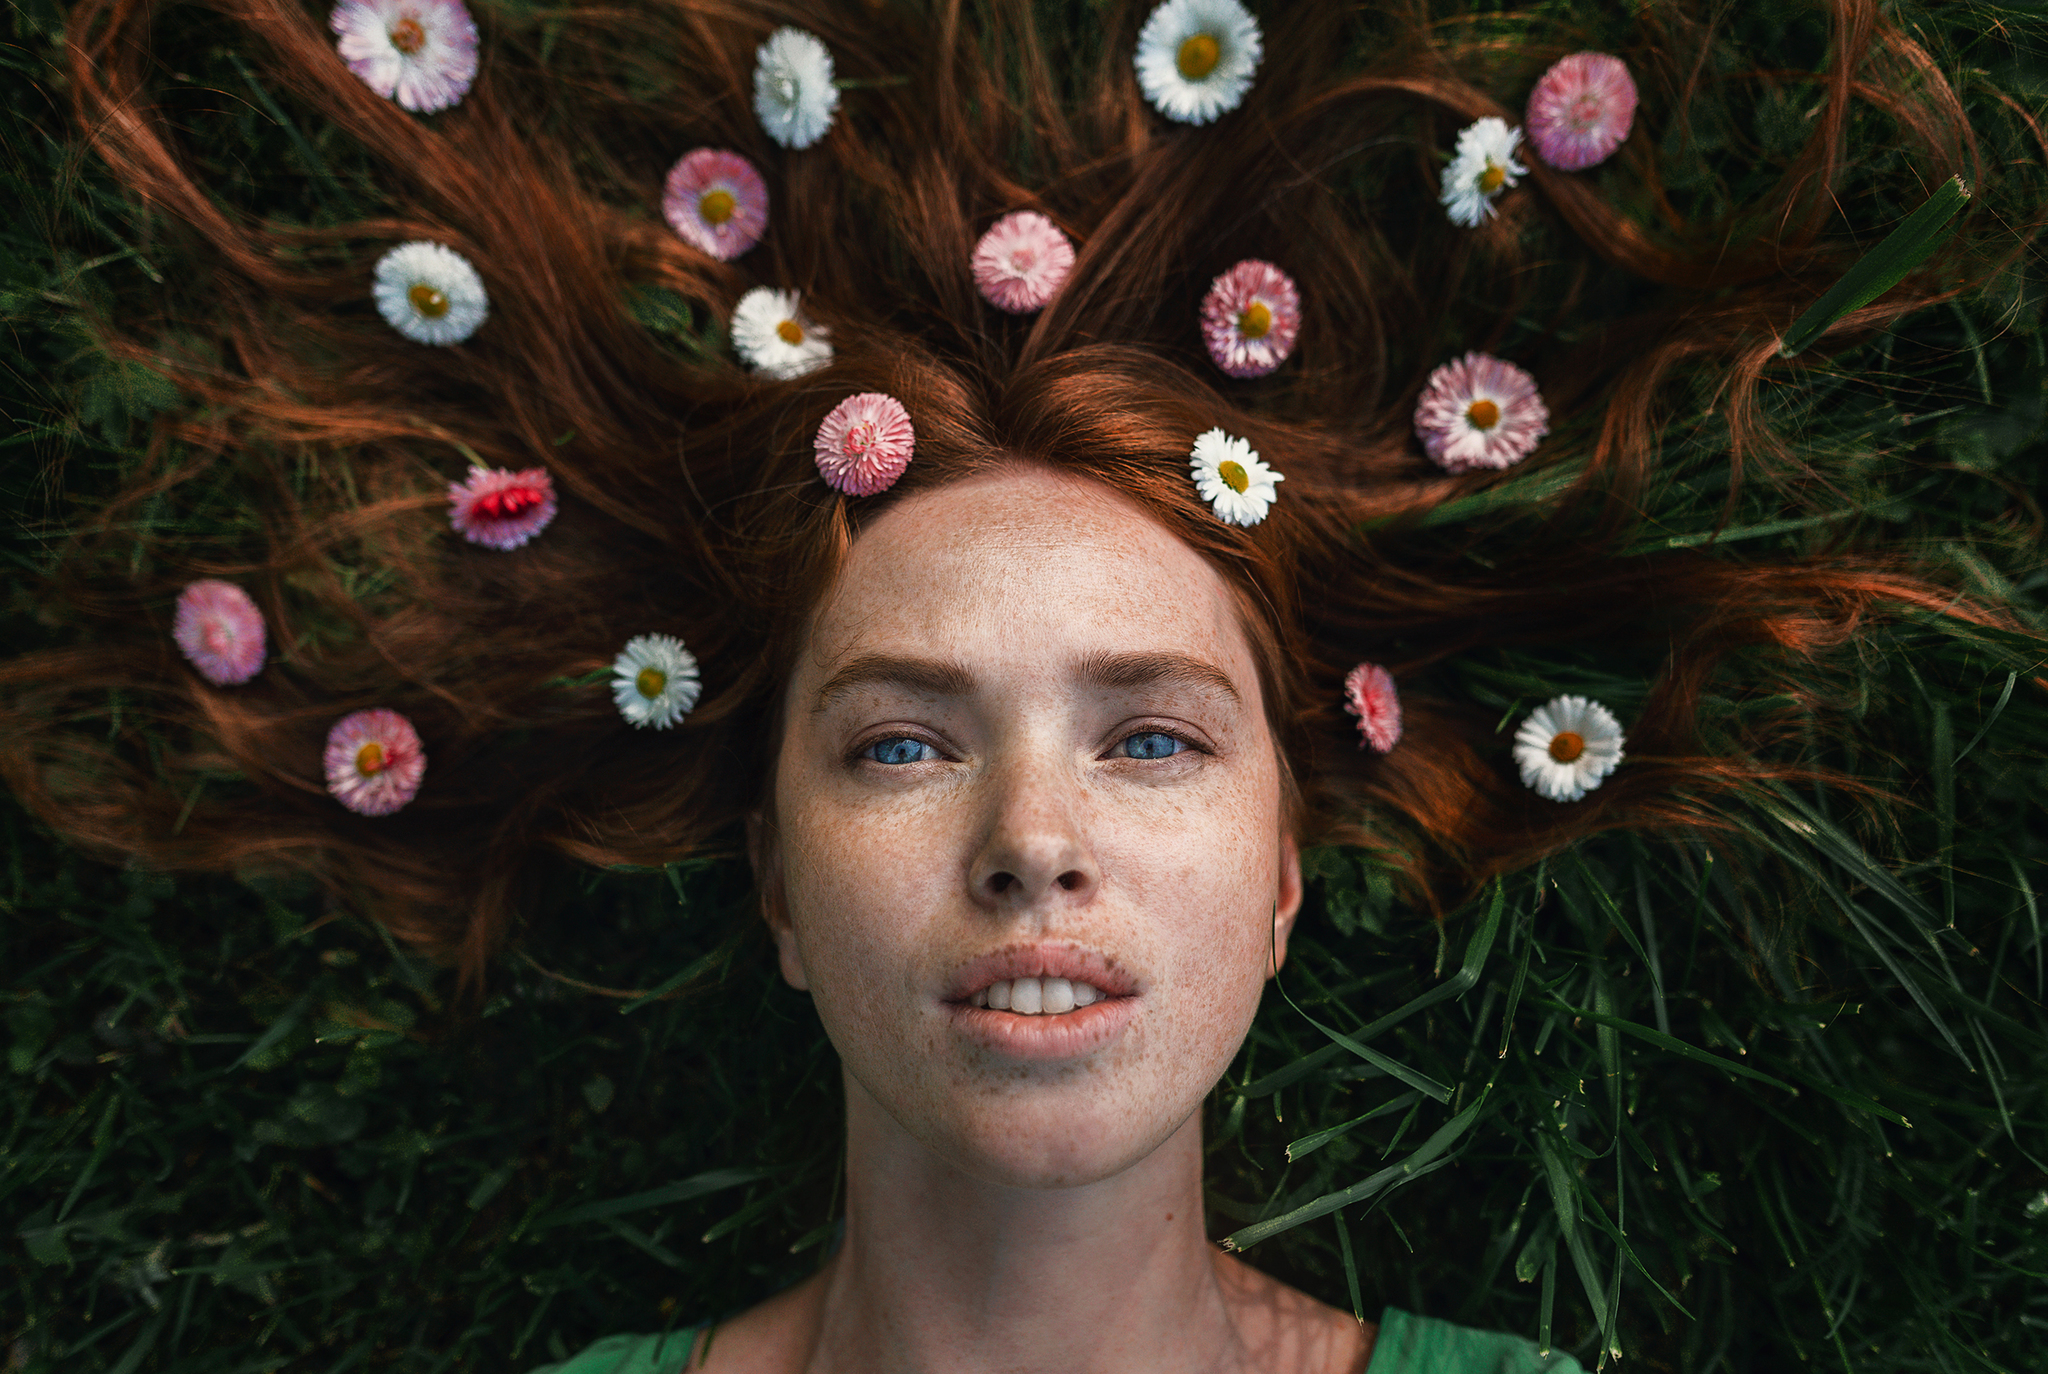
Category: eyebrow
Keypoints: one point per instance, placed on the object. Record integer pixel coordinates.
(1128, 672)
(944, 678)
(930, 677)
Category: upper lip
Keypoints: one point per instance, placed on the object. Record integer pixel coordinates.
(1075, 963)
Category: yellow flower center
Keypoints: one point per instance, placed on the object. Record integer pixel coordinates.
(650, 682)
(790, 332)
(717, 206)
(429, 302)
(1198, 56)
(370, 759)
(1483, 414)
(1234, 476)
(407, 36)
(1567, 745)
(1255, 320)
(1493, 178)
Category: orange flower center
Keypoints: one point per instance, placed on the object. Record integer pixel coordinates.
(429, 302)
(1493, 178)
(407, 36)
(790, 332)
(1483, 414)
(1567, 745)
(1198, 56)
(370, 759)
(717, 206)
(1255, 320)
(650, 682)
(1234, 476)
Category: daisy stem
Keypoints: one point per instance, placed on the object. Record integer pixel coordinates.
(865, 83)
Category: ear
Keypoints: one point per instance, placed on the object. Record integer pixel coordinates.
(764, 853)
(1287, 904)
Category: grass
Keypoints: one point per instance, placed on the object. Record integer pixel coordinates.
(1774, 1106)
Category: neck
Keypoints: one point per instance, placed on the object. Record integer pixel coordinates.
(942, 1271)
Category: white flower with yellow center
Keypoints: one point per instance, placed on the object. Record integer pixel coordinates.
(1231, 478)
(1566, 746)
(770, 332)
(1483, 167)
(430, 293)
(1196, 58)
(654, 681)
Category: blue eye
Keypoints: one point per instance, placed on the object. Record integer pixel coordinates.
(1152, 744)
(899, 750)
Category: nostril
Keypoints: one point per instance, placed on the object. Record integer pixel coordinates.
(1069, 880)
(1000, 882)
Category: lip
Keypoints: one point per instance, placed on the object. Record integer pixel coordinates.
(1067, 1035)
(1075, 963)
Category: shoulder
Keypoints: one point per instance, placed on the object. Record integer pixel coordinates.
(668, 1353)
(1423, 1345)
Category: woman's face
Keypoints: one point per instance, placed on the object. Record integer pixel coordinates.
(1025, 760)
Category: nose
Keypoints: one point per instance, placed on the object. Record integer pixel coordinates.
(1035, 851)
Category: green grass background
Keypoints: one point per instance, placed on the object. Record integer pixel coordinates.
(1781, 1107)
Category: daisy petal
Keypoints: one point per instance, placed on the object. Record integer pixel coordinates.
(1231, 478)
(374, 762)
(220, 631)
(1581, 110)
(1480, 412)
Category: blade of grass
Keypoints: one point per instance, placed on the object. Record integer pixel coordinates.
(1882, 268)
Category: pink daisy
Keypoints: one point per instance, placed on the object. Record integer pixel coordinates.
(1479, 412)
(220, 630)
(374, 761)
(420, 53)
(501, 508)
(1369, 694)
(1022, 262)
(1250, 318)
(716, 201)
(865, 443)
(1581, 111)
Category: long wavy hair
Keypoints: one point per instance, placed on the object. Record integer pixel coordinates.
(690, 504)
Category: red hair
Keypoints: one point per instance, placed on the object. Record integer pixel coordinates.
(689, 503)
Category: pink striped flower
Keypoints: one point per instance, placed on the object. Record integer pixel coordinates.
(1581, 110)
(1022, 262)
(716, 201)
(374, 761)
(1480, 412)
(1250, 318)
(501, 509)
(865, 444)
(420, 53)
(220, 630)
(1369, 694)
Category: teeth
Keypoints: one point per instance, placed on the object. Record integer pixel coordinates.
(1038, 996)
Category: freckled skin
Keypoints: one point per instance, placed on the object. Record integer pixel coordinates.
(1005, 1213)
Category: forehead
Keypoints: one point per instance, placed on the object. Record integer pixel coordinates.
(1024, 562)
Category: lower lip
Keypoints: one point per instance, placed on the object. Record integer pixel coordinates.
(1069, 1035)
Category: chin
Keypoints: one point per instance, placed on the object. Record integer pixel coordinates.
(1083, 1149)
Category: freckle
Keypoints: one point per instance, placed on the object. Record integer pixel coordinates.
(1169, 1216)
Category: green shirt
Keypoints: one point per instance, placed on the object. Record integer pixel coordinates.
(1406, 1345)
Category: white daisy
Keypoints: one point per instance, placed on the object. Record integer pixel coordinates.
(793, 91)
(1196, 58)
(1566, 746)
(1231, 478)
(654, 681)
(771, 333)
(1483, 167)
(430, 293)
